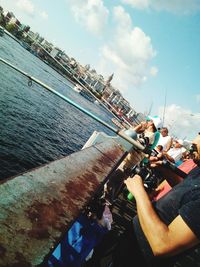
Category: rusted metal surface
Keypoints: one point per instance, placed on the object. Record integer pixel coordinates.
(38, 207)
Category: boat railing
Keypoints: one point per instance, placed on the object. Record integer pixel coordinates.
(48, 199)
(1, 31)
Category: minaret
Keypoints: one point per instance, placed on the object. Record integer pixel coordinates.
(107, 83)
(109, 79)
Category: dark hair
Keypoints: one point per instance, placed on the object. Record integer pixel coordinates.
(160, 146)
(154, 128)
(97, 207)
(165, 128)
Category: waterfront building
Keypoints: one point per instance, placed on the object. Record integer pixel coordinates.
(14, 21)
(8, 15)
(57, 53)
(33, 35)
(47, 45)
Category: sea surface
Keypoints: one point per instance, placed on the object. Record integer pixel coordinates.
(36, 126)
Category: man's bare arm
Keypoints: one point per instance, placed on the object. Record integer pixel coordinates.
(164, 240)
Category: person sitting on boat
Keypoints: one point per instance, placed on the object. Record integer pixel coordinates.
(159, 154)
(165, 231)
(176, 152)
(148, 134)
(165, 139)
(145, 131)
(189, 163)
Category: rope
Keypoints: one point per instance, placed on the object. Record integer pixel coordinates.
(116, 131)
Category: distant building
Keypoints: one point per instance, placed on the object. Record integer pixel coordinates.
(99, 86)
(89, 77)
(64, 60)
(33, 35)
(14, 21)
(56, 52)
(7, 15)
(72, 63)
(24, 28)
(140, 117)
(47, 45)
(131, 113)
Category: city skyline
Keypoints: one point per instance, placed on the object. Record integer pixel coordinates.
(152, 49)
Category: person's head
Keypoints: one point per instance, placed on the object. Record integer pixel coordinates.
(178, 143)
(155, 122)
(159, 148)
(164, 131)
(151, 126)
(196, 148)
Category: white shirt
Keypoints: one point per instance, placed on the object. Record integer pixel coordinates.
(164, 141)
(176, 153)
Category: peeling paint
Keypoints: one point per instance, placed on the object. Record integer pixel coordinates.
(47, 201)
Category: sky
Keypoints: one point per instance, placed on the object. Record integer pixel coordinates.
(151, 46)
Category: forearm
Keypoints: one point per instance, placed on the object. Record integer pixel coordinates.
(154, 229)
(164, 240)
(168, 157)
(156, 232)
(168, 146)
(137, 128)
(140, 127)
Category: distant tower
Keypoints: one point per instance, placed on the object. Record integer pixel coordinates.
(107, 83)
(109, 79)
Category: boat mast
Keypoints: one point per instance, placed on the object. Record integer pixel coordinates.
(163, 119)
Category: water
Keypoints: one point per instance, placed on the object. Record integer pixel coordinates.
(37, 127)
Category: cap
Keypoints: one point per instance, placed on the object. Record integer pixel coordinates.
(180, 141)
(156, 121)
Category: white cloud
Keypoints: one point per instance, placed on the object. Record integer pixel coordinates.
(198, 98)
(23, 7)
(44, 15)
(175, 6)
(26, 6)
(129, 52)
(153, 71)
(140, 4)
(181, 123)
(92, 14)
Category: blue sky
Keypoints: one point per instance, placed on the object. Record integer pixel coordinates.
(151, 46)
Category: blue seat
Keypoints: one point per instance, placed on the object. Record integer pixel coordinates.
(78, 242)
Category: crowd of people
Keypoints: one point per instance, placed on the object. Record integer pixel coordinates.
(166, 226)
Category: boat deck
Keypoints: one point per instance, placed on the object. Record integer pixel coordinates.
(123, 211)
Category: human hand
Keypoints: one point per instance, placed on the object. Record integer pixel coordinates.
(143, 124)
(134, 184)
(155, 164)
(141, 127)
